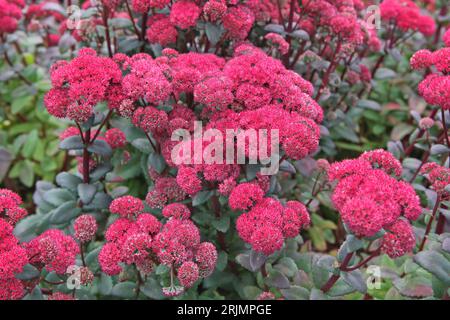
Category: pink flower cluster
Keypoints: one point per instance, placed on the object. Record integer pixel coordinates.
(184, 14)
(139, 238)
(438, 176)
(85, 228)
(53, 250)
(370, 199)
(267, 222)
(80, 84)
(12, 260)
(407, 16)
(250, 91)
(446, 38)
(340, 17)
(10, 209)
(278, 41)
(165, 189)
(143, 6)
(435, 88)
(10, 14)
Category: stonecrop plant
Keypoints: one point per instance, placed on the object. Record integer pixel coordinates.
(224, 149)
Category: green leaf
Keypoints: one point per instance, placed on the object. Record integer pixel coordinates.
(52, 6)
(244, 260)
(295, 293)
(120, 23)
(277, 280)
(142, 145)
(71, 143)
(58, 196)
(385, 73)
(439, 149)
(100, 171)
(157, 162)
(124, 290)
(65, 212)
(317, 238)
(86, 192)
(201, 197)
(92, 258)
(29, 272)
(435, 263)
(400, 131)
(257, 260)
(222, 261)
(26, 173)
(222, 224)
(414, 286)
(346, 133)
(411, 163)
(213, 32)
(20, 103)
(340, 288)
(101, 201)
(368, 104)
(152, 289)
(321, 269)
(355, 280)
(251, 170)
(5, 162)
(68, 180)
(276, 28)
(353, 243)
(287, 266)
(30, 144)
(105, 284)
(100, 147)
(286, 166)
(251, 292)
(36, 294)
(300, 34)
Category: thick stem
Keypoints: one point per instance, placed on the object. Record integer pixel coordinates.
(102, 125)
(427, 230)
(139, 284)
(82, 255)
(330, 69)
(335, 277)
(374, 254)
(108, 36)
(130, 14)
(144, 29)
(378, 64)
(264, 275)
(285, 58)
(86, 156)
(440, 224)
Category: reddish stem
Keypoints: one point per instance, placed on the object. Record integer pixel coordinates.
(335, 277)
(374, 254)
(86, 156)
(428, 229)
(330, 69)
(108, 36)
(419, 135)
